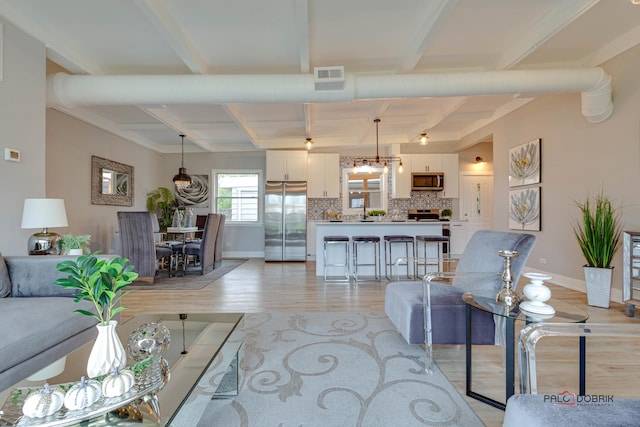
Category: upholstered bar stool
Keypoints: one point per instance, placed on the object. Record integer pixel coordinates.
(358, 241)
(423, 259)
(336, 241)
(397, 239)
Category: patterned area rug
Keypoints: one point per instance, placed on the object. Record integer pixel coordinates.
(190, 281)
(335, 369)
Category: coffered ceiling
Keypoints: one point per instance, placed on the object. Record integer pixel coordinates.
(261, 56)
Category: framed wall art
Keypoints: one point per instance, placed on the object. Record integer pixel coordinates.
(524, 209)
(524, 164)
(195, 195)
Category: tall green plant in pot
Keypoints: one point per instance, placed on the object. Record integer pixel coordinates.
(162, 202)
(598, 233)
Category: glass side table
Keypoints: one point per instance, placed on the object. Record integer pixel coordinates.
(505, 322)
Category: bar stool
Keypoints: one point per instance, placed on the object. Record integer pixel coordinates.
(425, 261)
(389, 241)
(336, 240)
(366, 240)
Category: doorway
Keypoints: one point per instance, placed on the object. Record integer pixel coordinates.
(476, 202)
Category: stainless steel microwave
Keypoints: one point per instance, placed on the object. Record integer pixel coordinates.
(427, 181)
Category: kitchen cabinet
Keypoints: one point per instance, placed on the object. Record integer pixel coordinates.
(286, 165)
(427, 163)
(323, 177)
(401, 182)
(451, 176)
(458, 237)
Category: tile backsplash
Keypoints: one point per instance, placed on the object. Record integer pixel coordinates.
(399, 207)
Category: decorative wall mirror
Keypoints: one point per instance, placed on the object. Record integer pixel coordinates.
(111, 182)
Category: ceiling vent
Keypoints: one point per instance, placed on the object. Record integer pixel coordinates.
(329, 78)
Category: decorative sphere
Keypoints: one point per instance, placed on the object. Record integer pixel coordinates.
(148, 339)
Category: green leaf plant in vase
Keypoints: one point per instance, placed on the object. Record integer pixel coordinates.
(377, 214)
(598, 232)
(101, 282)
(70, 244)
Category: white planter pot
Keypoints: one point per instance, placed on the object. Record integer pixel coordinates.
(107, 353)
(74, 252)
(598, 282)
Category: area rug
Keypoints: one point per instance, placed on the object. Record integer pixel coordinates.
(335, 369)
(190, 281)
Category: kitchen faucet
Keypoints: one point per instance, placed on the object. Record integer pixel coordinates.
(364, 211)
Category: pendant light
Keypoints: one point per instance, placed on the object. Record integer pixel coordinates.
(309, 143)
(181, 179)
(377, 161)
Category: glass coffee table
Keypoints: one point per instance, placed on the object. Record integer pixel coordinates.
(202, 358)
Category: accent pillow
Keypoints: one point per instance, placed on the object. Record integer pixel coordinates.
(5, 282)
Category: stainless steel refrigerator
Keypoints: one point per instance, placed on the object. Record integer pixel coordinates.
(285, 221)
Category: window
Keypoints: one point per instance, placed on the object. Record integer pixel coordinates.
(237, 195)
(363, 190)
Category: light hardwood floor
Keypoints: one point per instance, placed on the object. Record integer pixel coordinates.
(257, 286)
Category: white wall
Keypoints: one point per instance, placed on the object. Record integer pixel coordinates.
(578, 158)
(70, 145)
(22, 127)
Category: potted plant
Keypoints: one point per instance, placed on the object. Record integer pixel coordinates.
(101, 282)
(162, 202)
(377, 213)
(598, 233)
(70, 244)
(445, 213)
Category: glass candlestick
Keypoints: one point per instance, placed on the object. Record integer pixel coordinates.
(507, 295)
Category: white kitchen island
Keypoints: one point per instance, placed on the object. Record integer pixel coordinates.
(380, 229)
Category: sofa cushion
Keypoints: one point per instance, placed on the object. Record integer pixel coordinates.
(5, 283)
(32, 325)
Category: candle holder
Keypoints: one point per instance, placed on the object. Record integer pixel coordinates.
(507, 296)
(538, 294)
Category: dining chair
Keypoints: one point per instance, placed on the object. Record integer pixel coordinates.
(404, 305)
(138, 243)
(205, 249)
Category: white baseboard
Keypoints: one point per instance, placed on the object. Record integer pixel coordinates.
(573, 284)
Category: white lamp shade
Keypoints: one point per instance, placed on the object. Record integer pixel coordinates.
(44, 213)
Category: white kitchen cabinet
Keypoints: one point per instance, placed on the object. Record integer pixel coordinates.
(323, 173)
(451, 179)
(458, 236)
(286, 165)
(401, 182)
(427, 163)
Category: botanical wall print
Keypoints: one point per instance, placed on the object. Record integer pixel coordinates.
(524, 164)
(196, 195)
(524, 209)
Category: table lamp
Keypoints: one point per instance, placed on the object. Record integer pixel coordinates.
(44, 213)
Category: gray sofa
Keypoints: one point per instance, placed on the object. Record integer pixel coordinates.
(38, 321)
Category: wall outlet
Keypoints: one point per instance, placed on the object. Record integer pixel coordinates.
(542, 261)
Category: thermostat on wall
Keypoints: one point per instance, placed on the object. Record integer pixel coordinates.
(11, 154)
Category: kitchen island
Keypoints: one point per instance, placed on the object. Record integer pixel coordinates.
(367, 228)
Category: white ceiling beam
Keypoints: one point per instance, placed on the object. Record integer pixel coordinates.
(301, 22)
(107, 125)
(615, 47)
(436, 13)
(559, 17)
(163, 21)
(163, 115)
(59, 49)
(237, 117)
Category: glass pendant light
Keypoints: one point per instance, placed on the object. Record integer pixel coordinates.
(181, 179)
